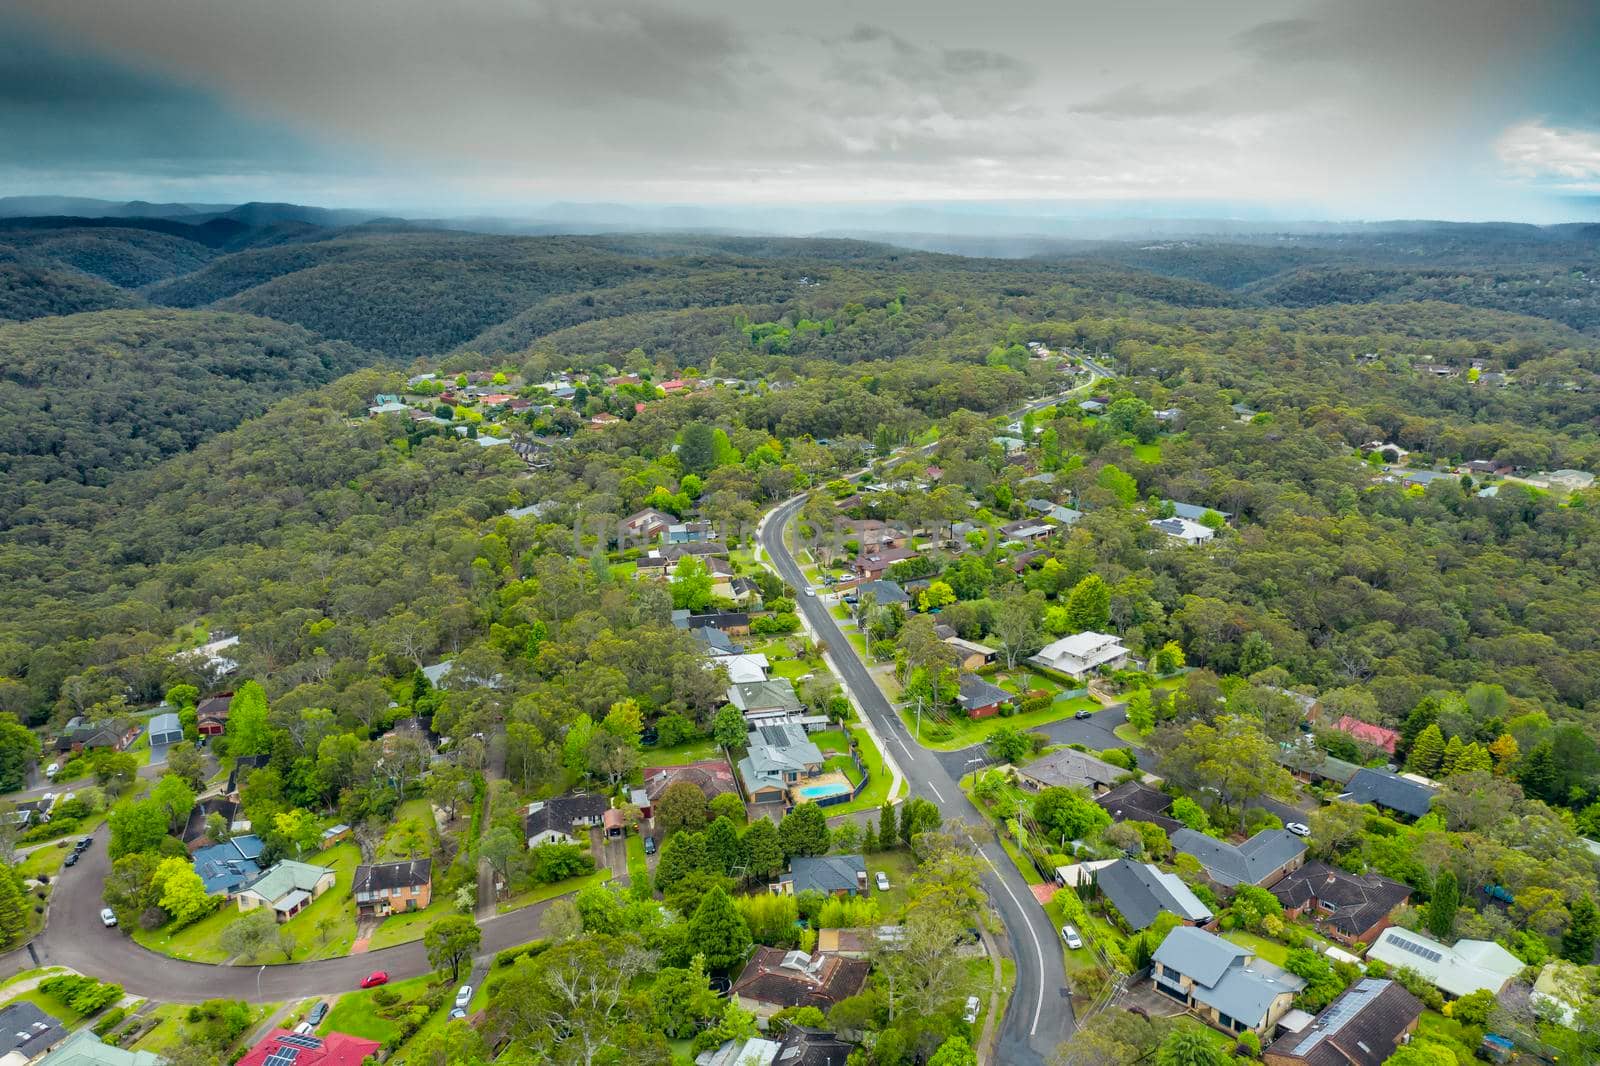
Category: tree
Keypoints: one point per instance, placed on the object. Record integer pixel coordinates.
(13, 922)
(1427, 751)
(697, 448)
(728, 805)
(888, 832)
(763, 849)
(452, 941)
(1452, 754)
(1189, 1047)
(1442, 905)
(176, 799)
(724, 851)
(1067, 815)
(1113, 1037)
(938, 594)
(1583, 929)
(1191, 814)
(1474, 758)
(683, 1000)
(501, 847)
(918, 816)
(455, 1044)
(1169, 659)
(804, 831)
(136, 825)
(1015, 626)
(1089, 605)
(288, 940)
(18, 748)
(248, 937)
(1504, 751)
(680, 806)
(181, 892)
(1142, 712)
(691, 584)
(718, 931)
(728, 727)
(188, 764)
(1008, 745)
(248, 731)
(955, 1051)
(1228, 763)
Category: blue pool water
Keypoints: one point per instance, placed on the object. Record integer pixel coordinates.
(812, 792)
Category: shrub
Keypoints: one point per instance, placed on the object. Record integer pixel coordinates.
(83, 994)
(384, 996)
(1251, 1043)
(110, 1021)
(511, 955)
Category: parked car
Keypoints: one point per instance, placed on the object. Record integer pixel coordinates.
(463, 996)
(83, 844)
(52, 770)
(1070, 935)
(304, 1029)
(970, 1015)
(374, 979)
(1299, 829)
(108, 917)
(457, 1013)
(72, 858)
(883, 881)
(1081, 715)
(318, 1012)
(649, 845)
(811, 592)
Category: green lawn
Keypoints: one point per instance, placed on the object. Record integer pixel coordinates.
(45, 861)
(28, 975)
(1127, 733)
(792, 669)
(698, 750)
(959, 732)
(635, 846)
(1268, 949)
(1147, 453)
(898, 864)
(48, 1004)
(172, 1018)
(411, 822)
(401, 928)
(877, 790)
(540, 893)
(357, 1013)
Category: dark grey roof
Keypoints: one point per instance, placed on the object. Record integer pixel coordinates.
(1389, 790)
(884, 592)
(1359, 901)
(1223, 979)
(408, 873)
(803, 1046)
(1362, 1027)
(27, 1029)
(715, 639)
(1133, 802)
(1141, 893)
(1249, 863)
(1070, 768)
(827, 873)
(976, 692)
(561, 813)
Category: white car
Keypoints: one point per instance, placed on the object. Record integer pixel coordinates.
(52, 770)
(970, 1015)
(108, 917)
(883, 881)
(463, 996)
(811, 592)
(1299, 829)
(1070, 935)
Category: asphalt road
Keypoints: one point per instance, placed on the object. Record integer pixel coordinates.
(75, 938)
(1040, 1013)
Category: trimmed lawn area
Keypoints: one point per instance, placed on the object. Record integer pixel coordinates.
(171, 1019)
(45, 861)
(698, 750)
(1024, 867)
(635, 846)
(357, 1013)
(1147, 453)
(898, 864)
(28, 975)
(1126, 732)
(540, 893)
(50, 1005)
(1268, 949)
(957, 733)
(859, 643)
(839, 611)
(877, 790)
(793, 669)
(412, 822)
(401, 928)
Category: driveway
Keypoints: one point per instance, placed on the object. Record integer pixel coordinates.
(1039, 1016)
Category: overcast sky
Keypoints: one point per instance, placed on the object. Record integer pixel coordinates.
(1307, 108)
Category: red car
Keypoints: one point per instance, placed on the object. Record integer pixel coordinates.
(374, 979)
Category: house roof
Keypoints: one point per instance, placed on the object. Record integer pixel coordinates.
(1249, 863)
(776, 748)
(803, 1046)
(165, 725)
(713, 778)
(1368, 733)
(794, 979)
(1227, 977)
(286, 878)
(407, 873)
(26, 1029)
(882, 558)
(1199, 955)
(885, 592)
(1089, 647)
(214, 706)
(1070, 768)
(561, 813)
(1361, 1027)
(83, 1048)
(1133, 802)
(827, 873)
(1142, 892)
(976, 692)
(195, 827)
(1194, 512)
(714, 639)
(1467, 967)
(1183, 529)
(777, 693)
(1389, 790)
(230, 865)
(1328, 767)
(332, 1049)
(1359, 900)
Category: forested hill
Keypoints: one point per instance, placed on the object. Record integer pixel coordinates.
(88, 397)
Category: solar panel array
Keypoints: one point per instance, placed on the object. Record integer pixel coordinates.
(284, 1056)
(1345, 1008)
(1415, 948)
(310, 1043)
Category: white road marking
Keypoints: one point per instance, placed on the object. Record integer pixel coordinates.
(934, 790)
(1038, 949)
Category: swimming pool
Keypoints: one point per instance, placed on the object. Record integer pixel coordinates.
(832, 788)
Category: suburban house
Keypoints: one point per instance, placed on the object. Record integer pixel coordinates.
(1262, 860)
(165, 729)
(1456, 971)
(288, 888)
(554, 821)
(831, 875)
(872, 565)
(1566, 480)
(83, 1048)
(284, 1048)
(1494, 467)
(1133, 802)
(712, 778)
(227, 867)
(1389, 791)
(743, 669)
(31, 812)
(780, 755)
(871, 533)
(1141, 893)
(643, 526)
(385, 888)
(803, 1046)
(1070, 768)
(775, 695)
(978, 698)
(1091, 407)
(715, 640)
(775, 979)
(195, 833)
(211, 714)
(1183, 530)
(1363, 1026)
(733, 623)
(1027, 531)
(1194, 513)
(1081, 654)
(26, 1032)
(1349, 907)
(883, 593)
(1225, 984)
(1308, 763)
(80, 734)
(1367, 733)
(752, 1051)
(970, 654)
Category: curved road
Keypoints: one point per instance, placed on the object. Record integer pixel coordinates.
(75, 938)
(1040, 1013)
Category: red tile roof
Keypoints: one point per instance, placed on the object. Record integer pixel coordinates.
(1366, 732)
(338, 1049)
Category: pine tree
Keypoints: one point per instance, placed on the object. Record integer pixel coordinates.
(1089, 605)
(1538, 773)
(1452, 755)
(1424, 714)
(1474, 757)
(762, 851)
(888, 831)
(1583, 929)
(12, 920)
(724, 851)
(1442, 905)
(1427, 750)
(804, 831)
(718, 931)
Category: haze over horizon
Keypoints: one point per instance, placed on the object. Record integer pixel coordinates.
(1307, 109)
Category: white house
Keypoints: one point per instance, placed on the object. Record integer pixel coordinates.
(1457, 971)
(1082, 653)
(1183, 530)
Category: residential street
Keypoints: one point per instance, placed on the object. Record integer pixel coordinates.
(1040, 1013)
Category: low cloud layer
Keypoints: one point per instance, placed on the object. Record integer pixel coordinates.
(1357, 107)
